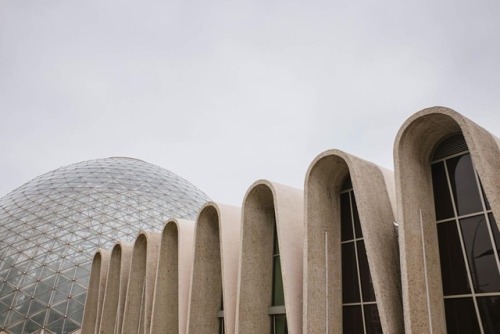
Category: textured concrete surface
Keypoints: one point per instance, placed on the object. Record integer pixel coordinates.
(265, 203)
(413, 148)
(95, 295)
(215, 268)
(173, 278)
(116, 288)
(141, 283)
(372, 187)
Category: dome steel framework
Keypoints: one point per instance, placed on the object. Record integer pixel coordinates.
(51, 226)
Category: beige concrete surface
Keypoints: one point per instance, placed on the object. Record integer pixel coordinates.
(95, 294)
(413, 149)
(323, 268)
(141, 283)
(215, 269)
(265, 203)
(175, 263)
(116, 288)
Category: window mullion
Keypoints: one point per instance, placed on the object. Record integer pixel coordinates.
(457, 224)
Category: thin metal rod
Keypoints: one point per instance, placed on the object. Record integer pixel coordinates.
(326, 282)
(425, 271)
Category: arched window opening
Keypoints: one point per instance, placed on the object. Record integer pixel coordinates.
(469, 241)
(359, 307)
(277, 310)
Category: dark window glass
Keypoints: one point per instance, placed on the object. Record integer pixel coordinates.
(352, 320)
(461, 316)
(366, 278)
(464, 185)
(496, 233)
(350, 289)
(357, 226)
(480, 254)
(489, 308)
(280, 324)
(278, 293)
(372, 319)
(442, 198)
(453, 270)
(485, 198)
(345, 217)
(221, 326)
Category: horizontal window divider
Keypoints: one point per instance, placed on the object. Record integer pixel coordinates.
(277, 310)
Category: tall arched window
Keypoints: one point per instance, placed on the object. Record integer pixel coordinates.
(359, 307)
(469, 241)
(277, 310)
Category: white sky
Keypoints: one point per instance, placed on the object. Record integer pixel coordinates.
(227, 92)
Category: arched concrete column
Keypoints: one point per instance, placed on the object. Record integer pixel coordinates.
(374, 191)
(116, 288)
(413, 148)
(175, 265)
(95, 294)
(141, 283)
(216, 256)
(265, 203)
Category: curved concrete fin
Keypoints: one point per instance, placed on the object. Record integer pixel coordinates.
(267, 203)
(323, 301)
(116, 287)
(141, 283)
(413, 148)
(215, 267)
(175, 264)
(95, 294)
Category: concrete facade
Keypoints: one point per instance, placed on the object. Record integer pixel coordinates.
(228, 253)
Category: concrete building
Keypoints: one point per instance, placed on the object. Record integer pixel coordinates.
(360, 250)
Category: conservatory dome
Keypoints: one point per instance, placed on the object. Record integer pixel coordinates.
(52, 226)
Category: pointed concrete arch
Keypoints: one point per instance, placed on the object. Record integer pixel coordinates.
(265, 203)
(95, 294)
(216, 256)
(413, 148)
(175, 263)
(116, 288)
(141, 283)
(373, 187)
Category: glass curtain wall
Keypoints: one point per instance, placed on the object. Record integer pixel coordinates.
(359, 307)
(277, 310)
(469, 242)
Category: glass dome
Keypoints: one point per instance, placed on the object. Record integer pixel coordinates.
(52, 226)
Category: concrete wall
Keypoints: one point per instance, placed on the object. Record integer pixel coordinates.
(264, 203)
(322, 256)
(413, 148)
(215, 269)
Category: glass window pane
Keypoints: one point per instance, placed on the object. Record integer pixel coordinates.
(480, 254)
(366, 277)
(357, 226)
(442, 198)
(280, 324)
(496, 233)
(489, 308)
(352, 321)
(278, 293)
(350, 288)
(461, 316)
(464, 185)
(372, 319)
(345, 217)
(453, 271)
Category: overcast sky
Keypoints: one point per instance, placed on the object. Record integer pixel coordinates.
(227, 92)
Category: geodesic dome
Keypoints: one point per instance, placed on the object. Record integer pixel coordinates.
(51, 227)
